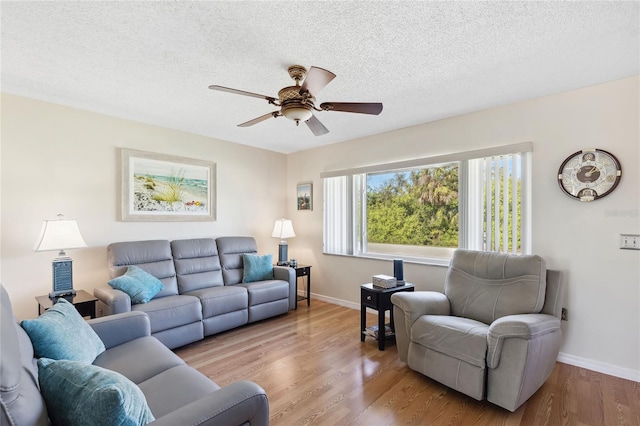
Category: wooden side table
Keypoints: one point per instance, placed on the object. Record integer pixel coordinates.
(303, 271)
(380, 300)
(84, 302)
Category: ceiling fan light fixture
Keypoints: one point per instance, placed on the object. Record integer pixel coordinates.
(297, 113)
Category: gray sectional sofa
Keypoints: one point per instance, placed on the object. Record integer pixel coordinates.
(203, 290)
(175, 393)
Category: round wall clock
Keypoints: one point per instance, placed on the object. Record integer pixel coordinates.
(589, 174)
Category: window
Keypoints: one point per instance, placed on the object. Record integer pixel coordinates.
(424, 209)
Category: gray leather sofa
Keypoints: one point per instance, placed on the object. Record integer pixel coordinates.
(495, 331)
(203, 290)
(176, 393)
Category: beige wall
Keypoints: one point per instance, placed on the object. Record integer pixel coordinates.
(581, 239)
(57, 159)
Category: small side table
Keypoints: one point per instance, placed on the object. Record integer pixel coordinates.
(84, 302)
(303, 271)
(380, 300)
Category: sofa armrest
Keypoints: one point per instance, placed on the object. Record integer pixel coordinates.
(287, 274)
(111, 301)
(117, 329)
(242, 402)
(525, 326)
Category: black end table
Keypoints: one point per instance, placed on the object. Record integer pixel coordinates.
(380, 300)
(84, 302)
(303, 271)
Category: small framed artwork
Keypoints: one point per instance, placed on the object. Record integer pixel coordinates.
(163, 188)
(305, 196)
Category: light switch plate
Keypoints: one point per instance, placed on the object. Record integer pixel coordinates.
(630, 241)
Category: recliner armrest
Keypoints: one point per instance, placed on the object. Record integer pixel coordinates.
(117, 329)
(242, 402)
(421, 303)
(525, 326)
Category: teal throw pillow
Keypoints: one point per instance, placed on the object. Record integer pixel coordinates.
(87, 395)
(140, 285)
(257, 268)
(61, 333)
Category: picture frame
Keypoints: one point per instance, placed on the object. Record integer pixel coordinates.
(304, 196)
(166, 188)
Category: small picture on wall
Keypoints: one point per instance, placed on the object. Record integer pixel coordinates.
(305, 196)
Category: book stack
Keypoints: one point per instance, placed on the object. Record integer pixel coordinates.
(373, 331)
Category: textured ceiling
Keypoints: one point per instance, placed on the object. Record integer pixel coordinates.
(153, 61)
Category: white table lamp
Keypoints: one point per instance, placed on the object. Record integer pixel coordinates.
(60, 234)
(283, 229)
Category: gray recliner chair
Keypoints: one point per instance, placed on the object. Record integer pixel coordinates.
(493, 334)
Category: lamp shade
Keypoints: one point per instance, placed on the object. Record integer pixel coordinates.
(60, 234)
(283, 229)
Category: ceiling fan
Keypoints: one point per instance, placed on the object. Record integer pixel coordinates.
(298, 102)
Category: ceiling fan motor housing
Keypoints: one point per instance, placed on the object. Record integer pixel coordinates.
(294, 106)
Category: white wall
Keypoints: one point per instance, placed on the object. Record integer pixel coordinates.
(57, 159)
(581, 239)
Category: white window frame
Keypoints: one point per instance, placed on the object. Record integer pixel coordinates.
(470, 205)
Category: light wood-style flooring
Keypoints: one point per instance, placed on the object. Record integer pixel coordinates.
(316, 371)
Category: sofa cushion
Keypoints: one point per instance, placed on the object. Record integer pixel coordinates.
(80, 394)
(257, 268)
(221, 300)
(486, 286)
(197, 264)
(20, 398)
(139, 359)
(170, 312)
(61, 333)
(267, 291)
(138, 284)
(461, 338)
(230, 250)
(154, 256)
(176, 387)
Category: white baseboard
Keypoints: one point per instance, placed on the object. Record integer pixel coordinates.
(589, 364)
(600, 367)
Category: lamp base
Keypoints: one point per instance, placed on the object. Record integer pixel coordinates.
(61, 293)
(283, 254)
(62, 268)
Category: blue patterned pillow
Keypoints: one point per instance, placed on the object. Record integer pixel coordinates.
(61, 333)
(257, 268)
(140, 285)
(77, 394)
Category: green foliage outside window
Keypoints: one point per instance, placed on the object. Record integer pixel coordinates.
(417, 207)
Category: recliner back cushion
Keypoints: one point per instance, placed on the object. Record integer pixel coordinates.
(485, 286)
(20, 398)
(197, 264)
(153, 256)
(230, 250)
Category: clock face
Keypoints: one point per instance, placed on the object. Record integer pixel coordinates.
(589, 174)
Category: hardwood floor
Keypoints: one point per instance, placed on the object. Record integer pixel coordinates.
(316, 371)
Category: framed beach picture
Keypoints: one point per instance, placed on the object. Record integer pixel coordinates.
(305, 196)
(159, 187)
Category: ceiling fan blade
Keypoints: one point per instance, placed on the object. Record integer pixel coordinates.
(361, 108)
(317, 78)
(316, 126)
(260, 119)
(241, 92)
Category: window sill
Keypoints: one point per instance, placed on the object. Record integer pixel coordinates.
(407, 259)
